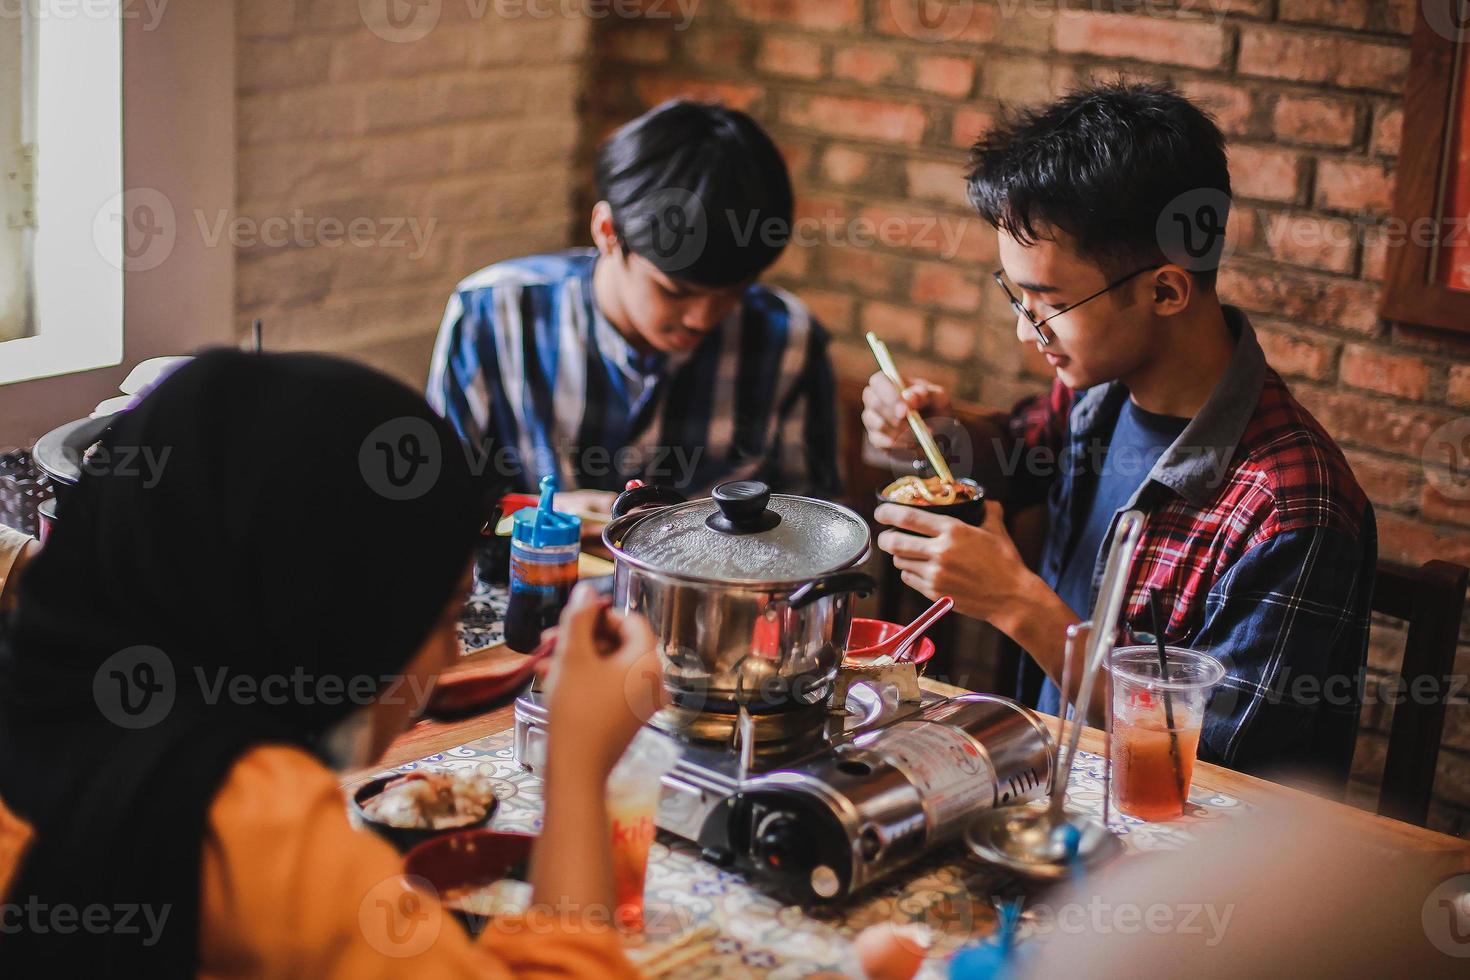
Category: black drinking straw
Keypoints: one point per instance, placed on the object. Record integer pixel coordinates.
(1153, 608)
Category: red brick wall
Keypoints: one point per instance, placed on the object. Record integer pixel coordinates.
(381, 163)
(875, 101)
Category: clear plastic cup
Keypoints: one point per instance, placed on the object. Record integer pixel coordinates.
(1156, 721)
(633, 791)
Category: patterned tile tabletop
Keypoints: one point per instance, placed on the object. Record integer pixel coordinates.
(759, 936)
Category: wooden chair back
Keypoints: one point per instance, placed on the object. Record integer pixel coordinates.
(1431, 600)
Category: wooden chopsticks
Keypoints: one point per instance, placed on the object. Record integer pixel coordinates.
(688, 948)
(916, 422)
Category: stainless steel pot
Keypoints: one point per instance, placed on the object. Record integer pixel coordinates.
(748, 592)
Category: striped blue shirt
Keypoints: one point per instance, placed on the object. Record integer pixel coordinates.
(528, 370)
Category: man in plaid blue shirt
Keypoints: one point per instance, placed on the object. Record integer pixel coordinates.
(657, 355)
(1111, 208)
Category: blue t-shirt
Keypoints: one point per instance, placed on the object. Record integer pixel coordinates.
(1138, 439)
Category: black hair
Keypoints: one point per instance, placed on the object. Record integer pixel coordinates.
(699, 190)
(1130, 171)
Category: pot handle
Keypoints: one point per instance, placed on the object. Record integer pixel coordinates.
(643, 495)
(860, 582)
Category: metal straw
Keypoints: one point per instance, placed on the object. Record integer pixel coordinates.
(916, 422)
(1070, 645)
(1100, 643)
(1107, 795)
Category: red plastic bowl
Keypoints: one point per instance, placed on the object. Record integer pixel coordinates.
(868, 633)
(462, 858)
(469, 859)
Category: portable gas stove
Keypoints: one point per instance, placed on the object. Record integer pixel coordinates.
(749, 595)
(822, 803)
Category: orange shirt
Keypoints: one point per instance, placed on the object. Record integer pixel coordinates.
(291, 889)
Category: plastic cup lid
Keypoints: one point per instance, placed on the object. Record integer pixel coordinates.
(1189, 670)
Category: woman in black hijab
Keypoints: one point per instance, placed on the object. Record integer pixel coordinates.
(258, 548)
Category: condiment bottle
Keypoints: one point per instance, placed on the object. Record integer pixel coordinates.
(544, 549)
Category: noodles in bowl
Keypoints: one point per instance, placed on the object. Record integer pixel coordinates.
(964, 499)
(931, 492)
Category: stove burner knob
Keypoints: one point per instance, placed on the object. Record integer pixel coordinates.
(779, 843)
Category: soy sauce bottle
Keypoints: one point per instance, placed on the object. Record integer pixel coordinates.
(544, 548)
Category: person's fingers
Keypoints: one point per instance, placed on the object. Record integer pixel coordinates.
(885, 402)
(917, 396)
(995, 518)
(635, 636)
(920, 389)
(918, 583)
(901, 545)
(583, 594)
(578, 620)
(925, 397)
(885, 389)
(880, 433)
(913, 519)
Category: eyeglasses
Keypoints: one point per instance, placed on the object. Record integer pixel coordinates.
(999, 275)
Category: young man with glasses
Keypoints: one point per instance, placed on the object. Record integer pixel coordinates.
(1110, 208)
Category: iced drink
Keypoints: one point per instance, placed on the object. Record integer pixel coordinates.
(633, 792)
(1156, 727)
(1146, 783)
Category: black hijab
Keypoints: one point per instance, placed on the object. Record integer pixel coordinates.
(289, 524)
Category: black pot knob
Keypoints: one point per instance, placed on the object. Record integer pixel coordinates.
(743, 509)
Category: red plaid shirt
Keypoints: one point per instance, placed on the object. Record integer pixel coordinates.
(1259, 541)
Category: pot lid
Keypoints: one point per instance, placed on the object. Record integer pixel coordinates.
(744, 534)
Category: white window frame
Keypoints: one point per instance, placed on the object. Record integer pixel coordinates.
(16, 173)
(76, 140)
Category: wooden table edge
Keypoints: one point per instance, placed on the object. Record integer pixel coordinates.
(430, 737)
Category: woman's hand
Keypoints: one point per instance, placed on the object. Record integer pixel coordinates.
(885, 410)
(979, 566)
(605, 682)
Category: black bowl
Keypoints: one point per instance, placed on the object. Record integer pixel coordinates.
(970, 511)
(405, 839)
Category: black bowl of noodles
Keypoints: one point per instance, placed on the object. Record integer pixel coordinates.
(964, 498)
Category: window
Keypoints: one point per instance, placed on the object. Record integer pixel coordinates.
(61, 246)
